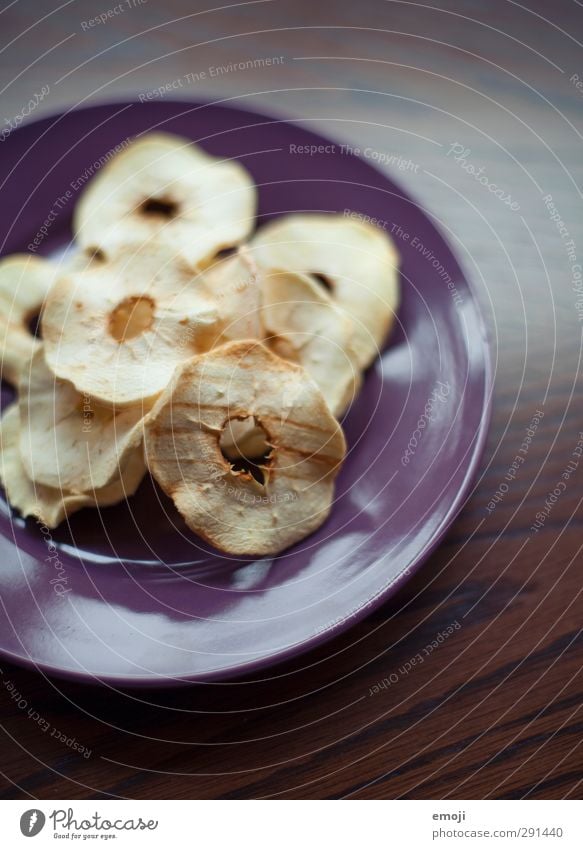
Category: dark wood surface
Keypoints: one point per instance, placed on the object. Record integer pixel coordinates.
(495, 711)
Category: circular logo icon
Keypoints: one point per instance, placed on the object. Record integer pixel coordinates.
(32, 822)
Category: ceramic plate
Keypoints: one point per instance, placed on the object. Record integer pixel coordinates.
(128, 595)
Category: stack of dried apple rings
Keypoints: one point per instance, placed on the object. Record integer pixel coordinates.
(175, 341)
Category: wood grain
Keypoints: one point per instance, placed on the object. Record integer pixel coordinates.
(495, 711)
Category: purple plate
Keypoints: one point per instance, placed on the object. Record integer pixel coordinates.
(128, 595)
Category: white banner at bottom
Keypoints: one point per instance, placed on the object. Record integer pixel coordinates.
(289, 824)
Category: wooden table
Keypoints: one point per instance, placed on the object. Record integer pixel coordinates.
(495, 712)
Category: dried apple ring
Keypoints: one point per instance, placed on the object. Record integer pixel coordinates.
(24, 283)
(70, 442)
(268, 505)
(301, 324)
(49, 505)
(164, 187)
(118, 328)
(356, 263)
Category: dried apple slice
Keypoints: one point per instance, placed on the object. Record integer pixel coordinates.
(356, 263)
(118, 328)
(256, 508)
(49, 505)
(70, 442)
(301, 324)
(24, 284)
(164, 187)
